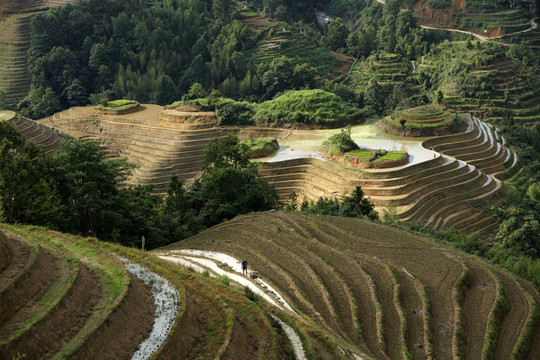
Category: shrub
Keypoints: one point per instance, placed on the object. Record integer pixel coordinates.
(338, 144)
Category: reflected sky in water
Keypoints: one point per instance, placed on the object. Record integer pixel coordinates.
(306, 143)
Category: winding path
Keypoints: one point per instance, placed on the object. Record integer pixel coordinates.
(534, 25)
(273, 297)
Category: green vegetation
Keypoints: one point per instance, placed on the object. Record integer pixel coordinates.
(427, 116)
(339, 144)
(354, 205)
(75, 190)
(315, 107)
(260, 147)
(381, 155)
(118, 105)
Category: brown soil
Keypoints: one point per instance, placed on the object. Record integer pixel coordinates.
(19, 257)
(258, 23)
(496, 32)
(478, 301)
(6, 253)
(243, 345)
(347, 63)
(516, 318)
(188, 338)
(324, 257)
(436, 17)
(47, 337)
(412, 305)
(28, 286)
(129, 324)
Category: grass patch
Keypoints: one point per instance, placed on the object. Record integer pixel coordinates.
(118, 105)
(262, 146)
(498, 313)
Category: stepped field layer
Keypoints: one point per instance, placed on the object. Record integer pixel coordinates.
(71, 297)
(393, 294)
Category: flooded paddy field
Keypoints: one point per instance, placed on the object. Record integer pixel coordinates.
(306, 143)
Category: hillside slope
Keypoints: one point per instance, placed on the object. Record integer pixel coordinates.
(394, 294)
(15, 18)
(64, 296)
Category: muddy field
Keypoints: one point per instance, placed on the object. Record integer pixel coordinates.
(393, 294)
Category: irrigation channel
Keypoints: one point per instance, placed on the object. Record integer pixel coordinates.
(166, 300)
(306, 144)
(201, 260)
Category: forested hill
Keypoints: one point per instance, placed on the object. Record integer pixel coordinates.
(154, 51)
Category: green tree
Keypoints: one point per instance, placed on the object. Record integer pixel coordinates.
(196, 91)
(40, 103)
(227, 152)
(165, 90)
(337, 33)
(230, 185)
(25, 195)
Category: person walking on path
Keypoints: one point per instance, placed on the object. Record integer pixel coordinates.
(244, 266)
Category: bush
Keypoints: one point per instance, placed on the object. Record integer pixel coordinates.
(230, 112)
(339, 144)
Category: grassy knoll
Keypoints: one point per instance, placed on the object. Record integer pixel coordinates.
(316, 263)
(6, 115)
(307, 107)
(424, 120)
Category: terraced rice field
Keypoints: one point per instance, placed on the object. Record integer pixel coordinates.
(446, 191)
(50, 139)
(394, 295)
(15, 18)
(159, 148)
(509, 82)
(71, 297)
(280, 39)
(424, 114)
(494, 15)
(386, 68)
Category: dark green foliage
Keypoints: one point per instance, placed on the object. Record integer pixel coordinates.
(282, 75)
(229, 186)
(26, 193)
(227, 152)
(311, 107)
(354, 205)
(40, 103)
(336, 34)
(73, 190)
(230, 112)
(138, 50)
(166, 91)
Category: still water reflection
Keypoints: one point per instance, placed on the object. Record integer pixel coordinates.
(306, 143)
